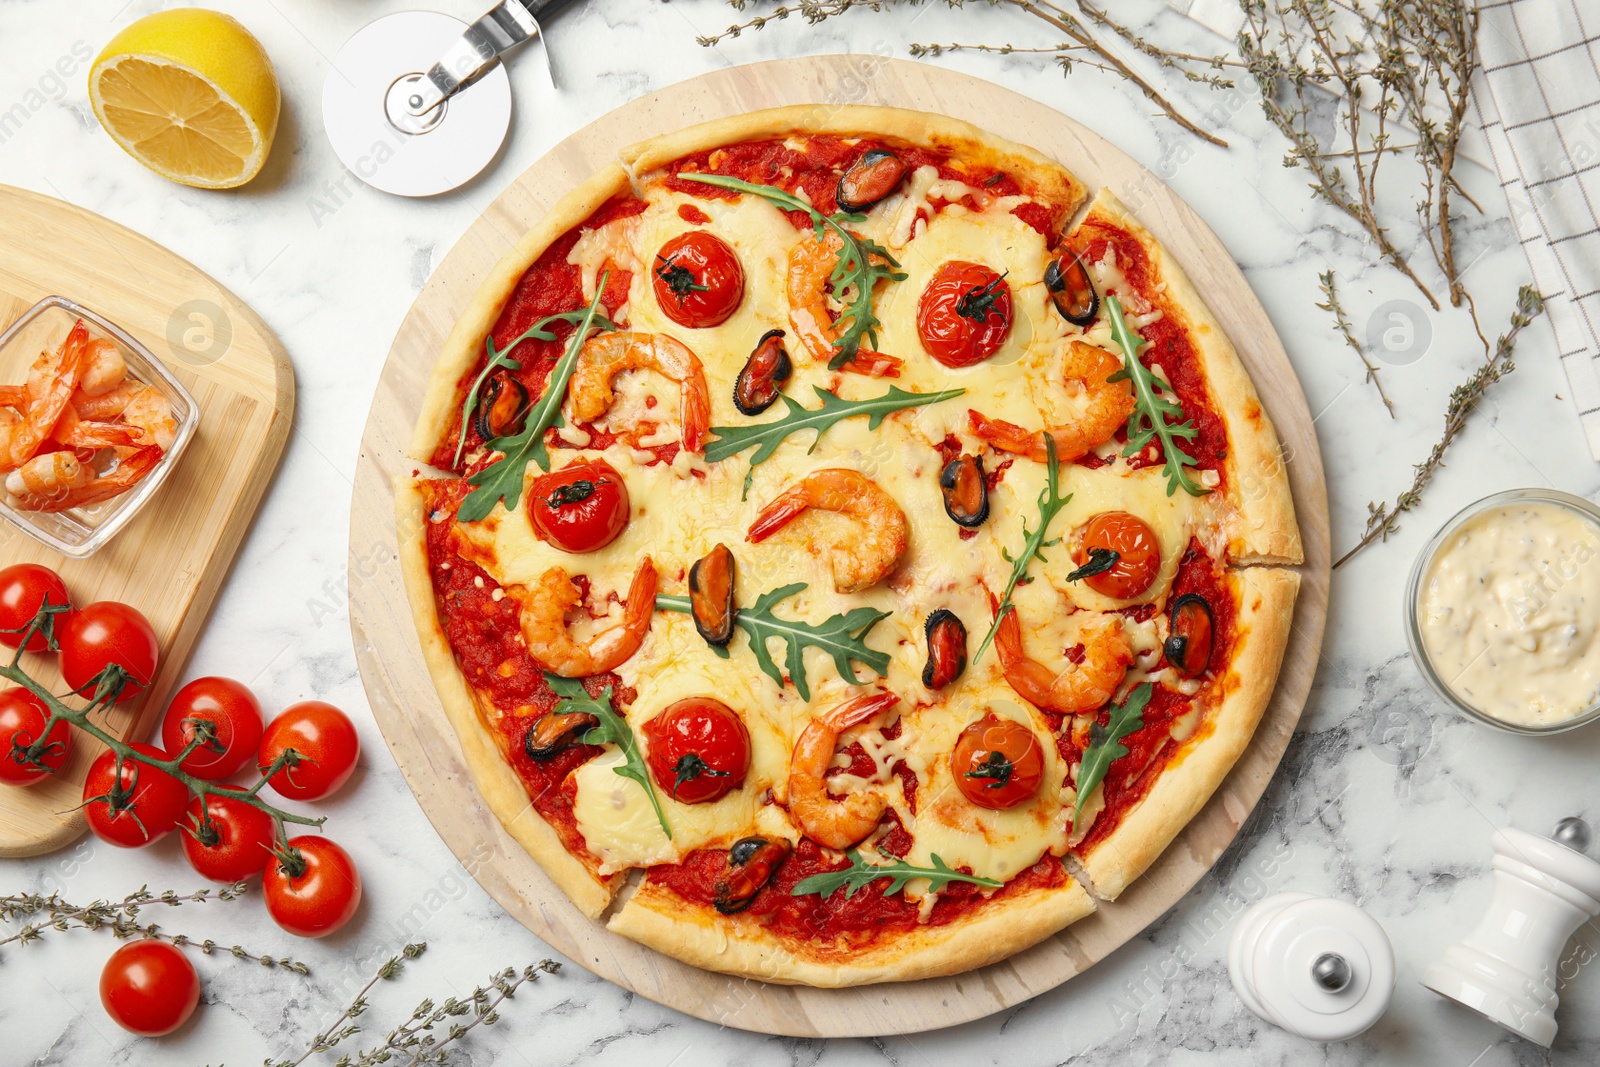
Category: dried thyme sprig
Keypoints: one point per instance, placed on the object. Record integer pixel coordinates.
(1086, 27)
(1334, 308)
(345, 1025)
(414, 1039)
(1421, 56)
(121, 918)
(1383, 520)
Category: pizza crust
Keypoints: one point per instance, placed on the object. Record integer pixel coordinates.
(497, 781)
(739, 945)
(465, 344)
(1262, 526)
(1266, 613)
(1035, 171)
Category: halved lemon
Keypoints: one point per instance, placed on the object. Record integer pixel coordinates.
(190, 94)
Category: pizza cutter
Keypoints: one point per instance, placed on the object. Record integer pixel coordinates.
(418, 103)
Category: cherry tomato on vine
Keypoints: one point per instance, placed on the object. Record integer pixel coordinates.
(149, 987)
(232, 843)
(579, 508)
(699, 750)
(103, 633)
(314, 889)
(1137, 554)
(235, 718)
(325, 746)
(24, 589)
(22, 720)
(140, 807)
(697, 279)
(997, 763)
(964, 314)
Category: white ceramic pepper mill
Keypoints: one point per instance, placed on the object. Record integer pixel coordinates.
(1319, 968)
(1505, 969)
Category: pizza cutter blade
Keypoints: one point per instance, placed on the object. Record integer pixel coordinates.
(418, 103)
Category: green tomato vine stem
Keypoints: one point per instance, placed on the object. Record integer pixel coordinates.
(105, 688)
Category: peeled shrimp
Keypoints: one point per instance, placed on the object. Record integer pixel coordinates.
(811, 264)
(545, 606)
(141, 406)
(75, 432)
(878, 541)
(47, 470)
(1107, 652)
(841, 822)
(103, 367)
(51, 381)
(1110, 404)
(609, 354)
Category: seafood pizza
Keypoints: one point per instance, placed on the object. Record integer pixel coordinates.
(850, 551)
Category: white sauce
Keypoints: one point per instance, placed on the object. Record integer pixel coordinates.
(1510, 613)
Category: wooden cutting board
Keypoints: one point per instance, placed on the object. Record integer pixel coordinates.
(407, 708)
(171, 559)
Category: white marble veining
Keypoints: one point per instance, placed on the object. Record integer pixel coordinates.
(1383, 799)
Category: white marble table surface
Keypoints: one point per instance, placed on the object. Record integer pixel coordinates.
(1383, 799)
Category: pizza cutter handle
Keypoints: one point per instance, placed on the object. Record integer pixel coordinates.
(475, 53)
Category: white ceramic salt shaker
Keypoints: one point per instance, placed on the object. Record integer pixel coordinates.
(1320, 968)
(1505, 969)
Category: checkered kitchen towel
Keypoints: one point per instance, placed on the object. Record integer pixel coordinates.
(1538, 100)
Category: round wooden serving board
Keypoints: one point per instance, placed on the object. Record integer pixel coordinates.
(414, 724)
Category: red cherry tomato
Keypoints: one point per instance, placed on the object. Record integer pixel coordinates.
(24, 589)
(964, 314)
(235, 718)
(325, 747)
(579, 508)
(699, 750)
(997, 763)
(315, 890)
(1138, 554)
(697, 279)
(143, 806)
(232, 843)
(103, 633)
(22, 719)
(149, 988)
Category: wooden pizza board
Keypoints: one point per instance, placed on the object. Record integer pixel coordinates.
(414, 724)
(169, 562)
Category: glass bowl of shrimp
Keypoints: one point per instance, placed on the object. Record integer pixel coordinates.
(90, 425)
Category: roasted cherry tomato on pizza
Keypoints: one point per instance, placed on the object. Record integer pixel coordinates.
(698, 750)
(22, 721)
(318, 746)
(230, 717)
(1118, 555)
(24, 589)
(139, 806)
(149, 987)
(229, 840)
(697, 280)
(313, 888)
(997, 763)
(580, 508)
(104, 633)
(964, 314)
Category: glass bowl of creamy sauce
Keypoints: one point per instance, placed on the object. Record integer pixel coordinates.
(1504, 611)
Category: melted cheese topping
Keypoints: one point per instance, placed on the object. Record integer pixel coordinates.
(680, 511)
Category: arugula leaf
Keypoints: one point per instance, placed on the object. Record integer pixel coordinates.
(1105, 744)
(861, 874)
(1152, 408)
(1050, 504)
(613, 730)
(862, 263)
(765, 437)
(537, 332)
(843, 637)
(1100, 561)
(502, 479)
